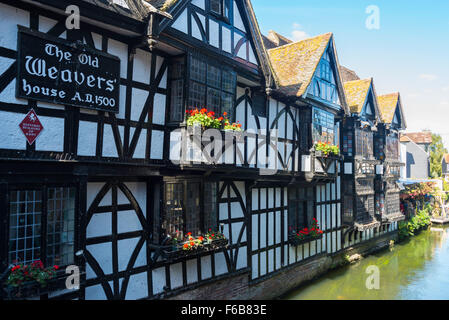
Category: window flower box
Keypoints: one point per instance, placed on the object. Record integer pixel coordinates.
(306, 235)
(30, 281)
(211, 242)
(293, 240)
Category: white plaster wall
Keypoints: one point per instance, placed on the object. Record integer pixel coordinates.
(10, 17)
(199, 4)
(137, 287)
(238, 22)
(157, 144)
(181, 23)
(120, 50)
(214, 33)
(159, 282)
(13, 138)
(139, 152)
(52, 137)
(196, 33)
(142, 66)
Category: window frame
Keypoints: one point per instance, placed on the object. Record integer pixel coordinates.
(224, 93)
(314, 122)
(43, 188)
(185, 181)
(305, 202)
(225, 6)
(366, 140)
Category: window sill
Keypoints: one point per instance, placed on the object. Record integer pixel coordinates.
(179, 253)
(294, 242)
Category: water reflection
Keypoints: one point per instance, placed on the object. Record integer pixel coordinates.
(417, 269)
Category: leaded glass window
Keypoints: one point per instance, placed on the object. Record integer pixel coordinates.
(220, 8)
(211, 87)
(26, 228)
(323, 126)
(300, 208)
(190, 206)
(364, 143)
(324, 85)
(177, 72)
(348, 138)
(392, 147)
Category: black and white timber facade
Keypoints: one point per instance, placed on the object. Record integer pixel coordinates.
(115, 171)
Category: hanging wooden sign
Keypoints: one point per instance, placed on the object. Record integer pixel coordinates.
(58, 71)
(31, 127)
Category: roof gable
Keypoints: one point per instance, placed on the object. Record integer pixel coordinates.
(390, 108)
(235, 35)
(295, 65)
(361, 97)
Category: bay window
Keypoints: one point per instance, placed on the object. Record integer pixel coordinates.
(207, 86)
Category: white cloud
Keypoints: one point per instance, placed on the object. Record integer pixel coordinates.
(428, 77)
(446, 89)
(297, 33)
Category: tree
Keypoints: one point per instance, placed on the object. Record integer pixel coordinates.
(437, 151)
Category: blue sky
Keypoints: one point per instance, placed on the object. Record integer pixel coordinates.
(409, 53)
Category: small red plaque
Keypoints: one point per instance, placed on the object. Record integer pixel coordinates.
(31, 127)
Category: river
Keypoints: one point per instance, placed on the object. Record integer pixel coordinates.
(414, 270)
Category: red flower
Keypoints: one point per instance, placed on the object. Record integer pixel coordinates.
(15, 268)
(56, 267)
(225, 114)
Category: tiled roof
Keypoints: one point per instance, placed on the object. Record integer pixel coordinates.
(420, 137)
(135, 9)
(387, 105)
(348, 75)
(294, 64)
(356, 93)
(274, 40)
(162, 5)
(404, 138)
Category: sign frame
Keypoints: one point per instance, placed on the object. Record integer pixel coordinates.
(76, 47)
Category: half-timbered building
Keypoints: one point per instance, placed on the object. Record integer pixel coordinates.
(386, 148)
(360, 163)
(98, 168)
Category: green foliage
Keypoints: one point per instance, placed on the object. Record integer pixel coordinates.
(420, 221)
(437, 151)
(327, 149)
(30, 273)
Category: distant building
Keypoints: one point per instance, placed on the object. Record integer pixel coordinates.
(416, 154)
(445, 166)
